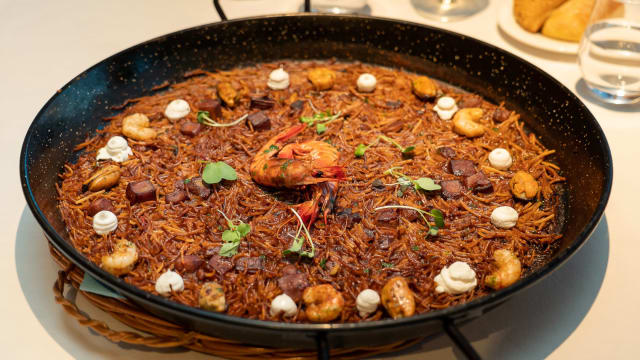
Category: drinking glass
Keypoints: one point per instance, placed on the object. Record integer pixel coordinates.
(609, 54)
(340, 6)
(448, 10)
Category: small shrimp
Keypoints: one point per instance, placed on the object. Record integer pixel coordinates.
(464, 122)
(524, 186)
(123, 258)
(397, 298)
(297, 165)
(136, 127)
(324, 303)
(508, 272)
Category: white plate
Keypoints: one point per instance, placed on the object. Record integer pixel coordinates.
(508, 24)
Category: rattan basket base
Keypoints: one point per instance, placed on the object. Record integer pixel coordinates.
(163, 334)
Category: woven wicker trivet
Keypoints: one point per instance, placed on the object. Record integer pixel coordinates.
(164, 334)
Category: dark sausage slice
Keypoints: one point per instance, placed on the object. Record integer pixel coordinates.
(100, 204)
(213, 106)
(469, 101)
(262, 103)
(190, 128)
(220, 264)
(251, 264)
(189, 263)
(446, 152)
(297, 105)
(176, 196)
(462, 167)
(501, 114)
(394, 104)
(259, 121)
(478, 182)
(197, 187)
(348, 218)
(451, 189)
(141, 191)
(293, 285)
(289, 270)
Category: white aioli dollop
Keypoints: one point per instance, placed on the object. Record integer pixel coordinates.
(367, 302)
(458, 278)
(504, 217)
(169, 281)
(366, 83)
(177, 109)
(446, 107)
(105, 222)
(278, 79)
(117, 149)
(283, 304)
(500, 159)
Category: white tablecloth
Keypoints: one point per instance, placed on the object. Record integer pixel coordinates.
(586, 309)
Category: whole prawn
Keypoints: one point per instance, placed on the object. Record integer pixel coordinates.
(296, 165)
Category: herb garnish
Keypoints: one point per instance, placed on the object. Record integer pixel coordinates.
(298, 241)
(435, 213)
(323, 263)
(423, 183)
(204, 119)
(232, 237)
(271, 148)
(213, 173)
(323, 118)
(387, 265)
(406, 151)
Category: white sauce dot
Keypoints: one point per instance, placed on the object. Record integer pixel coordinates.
(446, 107)
(278, 79)
(504, 217)
(458, 278)
(283, 304)
(169, 281)
(177, 109)
(366, 83)
(367, 302)
(117, 149)
(105, 222)
(500, 159)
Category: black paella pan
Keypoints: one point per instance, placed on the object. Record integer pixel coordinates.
(547, 107)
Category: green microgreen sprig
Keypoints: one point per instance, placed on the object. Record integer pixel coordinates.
(423, 183)
(204, 119)
(406, 151)
(298, 241)
(322, 118)
(213, 173)
(232, 236)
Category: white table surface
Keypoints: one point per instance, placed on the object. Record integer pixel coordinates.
(587, 309)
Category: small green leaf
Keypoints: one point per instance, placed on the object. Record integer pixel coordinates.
(438, 217)
(296, 246)
(321, 128)
(244, 229)
(387, 265)
(426, 184)
(360, 149)
(270, 149)
(307, 120)
(323, 263)
(230, 236)
(203, 116)
(415, 248)
(186, 181)
(367, 271)
(408, 149)
(213, 173)
(229, 249)
(433, 231)
(285, 164)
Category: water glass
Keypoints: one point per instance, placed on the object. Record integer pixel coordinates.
(609, 54)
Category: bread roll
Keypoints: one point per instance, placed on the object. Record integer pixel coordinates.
(531, 14)
(569, 20)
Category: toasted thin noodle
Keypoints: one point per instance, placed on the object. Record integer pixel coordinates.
(164, 233)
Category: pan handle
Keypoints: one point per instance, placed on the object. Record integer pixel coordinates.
(461, 342)
(223, 17)
(323, 346)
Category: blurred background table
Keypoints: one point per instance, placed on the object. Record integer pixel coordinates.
(587, 309)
